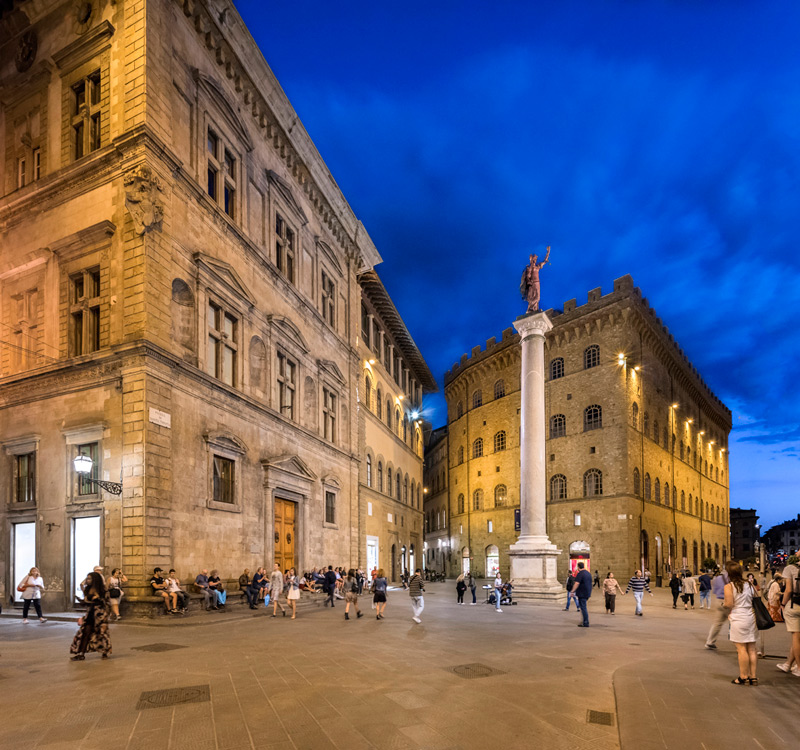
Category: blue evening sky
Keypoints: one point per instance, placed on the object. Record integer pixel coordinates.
(659, 138)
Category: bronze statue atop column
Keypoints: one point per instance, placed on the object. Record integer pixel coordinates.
(529, 287)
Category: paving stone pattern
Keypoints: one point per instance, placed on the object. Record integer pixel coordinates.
(322, 682)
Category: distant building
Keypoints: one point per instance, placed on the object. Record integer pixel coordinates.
(436, 506)
(637, 462)
(785, 536)
(744, 533)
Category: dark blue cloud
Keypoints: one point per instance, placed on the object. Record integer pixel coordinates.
(655, 138)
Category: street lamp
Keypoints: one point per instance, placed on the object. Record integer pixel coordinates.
(83, 467)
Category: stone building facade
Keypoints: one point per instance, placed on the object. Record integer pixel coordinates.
(179, 300)
(744, 533)
(637, 462)
(436, 504)
(393, 380)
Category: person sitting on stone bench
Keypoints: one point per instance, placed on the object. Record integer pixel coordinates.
(218, 586)
(244, 584)
(160, 586)
(210, 595)
(180, 599)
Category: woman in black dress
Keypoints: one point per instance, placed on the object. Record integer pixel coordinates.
(92, 632)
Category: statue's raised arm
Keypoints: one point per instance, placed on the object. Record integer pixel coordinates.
(530, 287)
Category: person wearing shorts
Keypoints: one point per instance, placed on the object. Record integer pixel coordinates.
(350, 587)
(379, 586)
(791, 615)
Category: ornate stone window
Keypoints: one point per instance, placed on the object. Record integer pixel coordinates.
(461, 454)
(285, 248)
(389, 484)
(328, 300)
(556, 368)
(225, 453)
(380, 476)
(593, 483)
(329, 403)
(635, 416)
(477, 500)
(591, 356)
(367, 392)
(222, 352)
(330, 507)
(86, 112)
(287, 386)
(500, 495)
(637, 488)
(369, 470)
(558, 487)
(500, 441)
(647, 487)
(657, 490)
(477, 399)
(477, 448)
(84, 311)
(222, 172)
(379, 404)
(500, 389)
(558, 426)
(683, 500)
(461, 503)
(459, 410)
(592, 417)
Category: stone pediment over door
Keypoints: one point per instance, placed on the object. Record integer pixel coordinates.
(225, 274)
(289, 471)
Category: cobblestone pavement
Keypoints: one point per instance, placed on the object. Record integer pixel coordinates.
(467, 677)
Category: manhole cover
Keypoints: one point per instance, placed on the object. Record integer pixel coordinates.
(474, 671)
(600, 717)
(157, 647)
(173, 696)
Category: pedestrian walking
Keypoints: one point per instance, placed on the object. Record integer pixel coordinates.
(416, 587)
(115, 592)
(92, 632)
(675, 587)
(473, 586)
(582, 588)
(610, 588)
(276, 583)
(596, 578)
(498, 591)
(379, 586)
(689, 589)
(330, 585)
(570, 593)
(791, 615)
(292, 584)
(31, 588)
(704, 587)
(351, 594)
(721, 615)
(647, 576)
(739, 595)
(461, 587)
(638, 583)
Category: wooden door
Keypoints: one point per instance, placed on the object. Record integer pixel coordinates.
(285, 533)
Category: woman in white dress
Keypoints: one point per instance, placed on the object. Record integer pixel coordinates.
(739, 595)
(292, 590)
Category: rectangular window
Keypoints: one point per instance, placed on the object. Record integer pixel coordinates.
(365, 327)
(489, 527)
(576, 518)
(369, 509)
(329, 300)
(221, 358)
(329, 415)
(85, 312)
(285, 248)
(222, 173)
(287, 374)
(37, 163)
(26, 478)
(224, 480)
(21, 172)
(376, 338)
(330, 507)
(229, 197)
(86, 117)
(85, 486)
(387, 356)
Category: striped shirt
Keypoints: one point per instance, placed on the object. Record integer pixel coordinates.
(415, 588)
(637, 584)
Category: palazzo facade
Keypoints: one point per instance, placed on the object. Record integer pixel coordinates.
(636, 450)
(180, 292)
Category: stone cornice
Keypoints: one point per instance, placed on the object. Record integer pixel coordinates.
(85, 47)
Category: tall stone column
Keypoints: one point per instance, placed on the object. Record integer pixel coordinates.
(533, 556)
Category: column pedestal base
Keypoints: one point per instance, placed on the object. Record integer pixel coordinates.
(533, 571)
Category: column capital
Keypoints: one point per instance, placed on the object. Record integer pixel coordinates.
(533, 324)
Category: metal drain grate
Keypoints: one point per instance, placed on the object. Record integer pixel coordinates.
(157, 647)
(475, 671)
(600, 717)
(174, 696)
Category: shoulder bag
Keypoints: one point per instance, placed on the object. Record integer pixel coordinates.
(23, 584)
(763, 619)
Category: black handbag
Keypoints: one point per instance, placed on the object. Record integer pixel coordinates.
(763, 619)
(114, 593)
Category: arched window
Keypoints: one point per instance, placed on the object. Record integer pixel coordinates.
(635, 416)
(558, 426)
(593, 483)
(646, 424)
(707, 516)
(500, 389)
(556, 368)
(716, 552)
(591, 356)
(477, 500)
(389, 482)
(379, 404)
(681, 450)
(460, 409)
(500, 495)
(369, 470)
(405, 490)
(647, 494)
(380, 476)
(637, 489)
(655, 431)
(666, 493)
(368, 392)
(461, 503)
(477, 448)
(398, 488)
(665, 441)
(688, 454)
(592, 417)
(558, 487)
(683, 500)
(477, 399)
(405, 429)
(706, 470)
(657, 490)
(398, 419)
(500, 441)
(697, 506)
(717, 514)
(413, 490)
(461, 454)
(674, 497)
(716, 474)
(684, 551)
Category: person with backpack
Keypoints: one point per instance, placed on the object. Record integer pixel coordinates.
(31, 588)
(351, 594)
(791, 615)
(704, 586)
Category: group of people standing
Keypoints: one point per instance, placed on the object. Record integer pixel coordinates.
(579, 590)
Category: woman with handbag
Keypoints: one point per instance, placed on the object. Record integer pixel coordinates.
(92, 632)
(739, 595)
(31, 588)
(115, 592)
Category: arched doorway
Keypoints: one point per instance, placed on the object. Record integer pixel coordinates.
(465, 566)
(659, 560)
(579, 552)
(644, 550)
(492, 561)
(394, 563)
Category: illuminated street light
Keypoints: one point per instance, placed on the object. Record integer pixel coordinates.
(83, 467)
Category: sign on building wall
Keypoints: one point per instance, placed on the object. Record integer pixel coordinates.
(160, 417)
